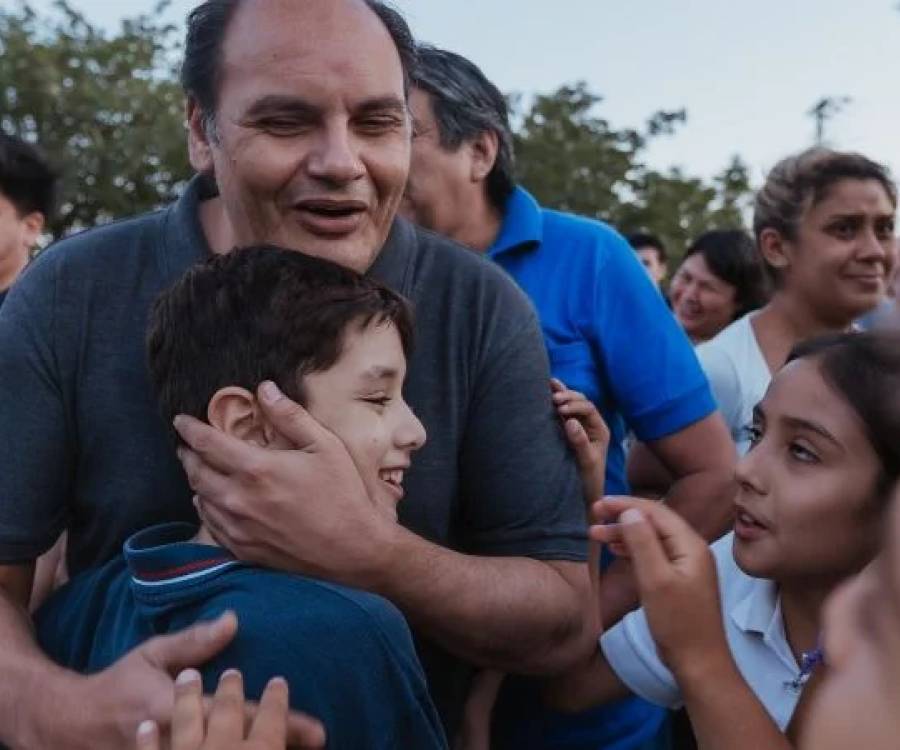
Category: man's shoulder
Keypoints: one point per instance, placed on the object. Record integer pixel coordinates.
(447, 256)
(580, 231)
(462, 277)
(116, 242)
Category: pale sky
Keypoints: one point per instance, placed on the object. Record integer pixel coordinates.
(747, 72)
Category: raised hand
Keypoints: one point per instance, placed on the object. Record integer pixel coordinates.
(675, 574)
(587, 434)
(229, 726)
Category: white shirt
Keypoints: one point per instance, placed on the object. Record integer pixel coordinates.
(738, 374)
(751, 614)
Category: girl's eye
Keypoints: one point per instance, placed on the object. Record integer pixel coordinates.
(802, 453)
(753, 433)
(378, 400)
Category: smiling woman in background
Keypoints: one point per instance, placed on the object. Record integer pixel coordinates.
(720, 279)
(824, 226)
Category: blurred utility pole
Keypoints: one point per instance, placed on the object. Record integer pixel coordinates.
(825, 109)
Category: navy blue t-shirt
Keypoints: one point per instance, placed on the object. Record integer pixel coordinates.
(347, 655)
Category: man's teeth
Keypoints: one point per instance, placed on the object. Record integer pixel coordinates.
(748, 520)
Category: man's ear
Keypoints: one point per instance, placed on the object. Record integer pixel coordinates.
(199, 149)
(484, 150)
(33, 225)
(775, 250)
(234, 411)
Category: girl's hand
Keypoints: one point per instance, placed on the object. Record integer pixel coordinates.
(587, 434)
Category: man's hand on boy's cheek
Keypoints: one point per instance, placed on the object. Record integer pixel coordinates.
(303, 510)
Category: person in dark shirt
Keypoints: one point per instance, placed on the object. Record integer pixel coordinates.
(336, 342)
(27, 197)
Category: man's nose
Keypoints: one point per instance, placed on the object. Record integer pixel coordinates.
(335, 155)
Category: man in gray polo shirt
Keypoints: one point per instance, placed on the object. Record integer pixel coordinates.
(299, 127)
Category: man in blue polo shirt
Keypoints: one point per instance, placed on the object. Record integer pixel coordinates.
(607, 332)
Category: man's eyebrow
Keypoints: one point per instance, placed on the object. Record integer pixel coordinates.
(389, 103)
(273, 103)
(282, 104)
(805, 424)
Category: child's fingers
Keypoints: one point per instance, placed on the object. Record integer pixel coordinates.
(147, 736)
(270, 725)
(557, 385)
(226, 720)
(187, 716)
(651, 564)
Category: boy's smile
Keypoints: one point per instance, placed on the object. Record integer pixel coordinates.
(359, 399)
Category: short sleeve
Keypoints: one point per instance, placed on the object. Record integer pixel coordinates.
(649, 363)
(35, 459)
(520, 488)
(631, 653)
(726, 386)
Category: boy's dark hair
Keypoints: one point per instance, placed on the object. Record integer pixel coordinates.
(732, 256)
(864, 369)
(639, 240)
(255, 314)
(207, 25)
(26, 178)
(466, 104)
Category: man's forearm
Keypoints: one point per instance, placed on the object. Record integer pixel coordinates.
(705, 500)
(514, 614)
(28, 680)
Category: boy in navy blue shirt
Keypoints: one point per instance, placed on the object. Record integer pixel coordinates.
(336, 342)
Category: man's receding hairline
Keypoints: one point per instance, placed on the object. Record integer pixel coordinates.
(362, 5)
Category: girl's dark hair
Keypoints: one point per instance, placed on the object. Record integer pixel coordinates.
(864, 369)
(731, 255)
(255, 314)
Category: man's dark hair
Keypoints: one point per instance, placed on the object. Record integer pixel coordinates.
(732, 256)
(207, 25)
(26, 178)
(643, 239)
(466, 104)
(255, 314)
(864, 369)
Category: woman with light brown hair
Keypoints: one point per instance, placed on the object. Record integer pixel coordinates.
(824, 226)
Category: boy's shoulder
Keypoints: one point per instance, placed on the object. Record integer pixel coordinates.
(271, 600)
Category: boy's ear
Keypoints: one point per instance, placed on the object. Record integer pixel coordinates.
(234, 411)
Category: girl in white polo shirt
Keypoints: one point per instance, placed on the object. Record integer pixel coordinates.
(810, 506)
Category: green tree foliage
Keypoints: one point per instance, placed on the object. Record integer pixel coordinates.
(107, 108)
(574, 160)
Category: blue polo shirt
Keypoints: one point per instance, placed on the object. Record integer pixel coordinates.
(347, 655)
(608, 331)
(610, 335)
